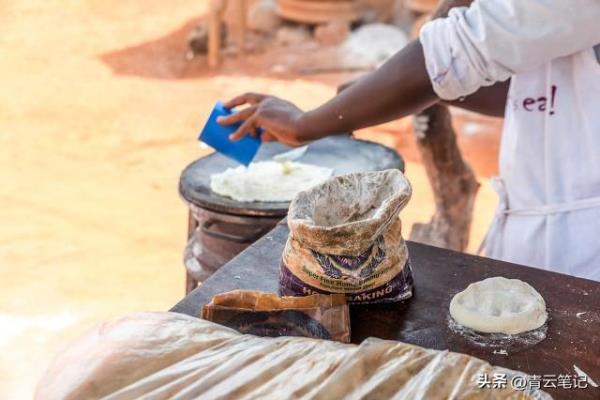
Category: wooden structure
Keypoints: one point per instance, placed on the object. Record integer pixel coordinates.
(452, 181)
(217, 10)
(571, 336)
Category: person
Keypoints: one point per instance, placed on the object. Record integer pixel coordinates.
(535, 62)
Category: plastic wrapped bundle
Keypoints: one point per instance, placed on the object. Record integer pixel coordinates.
(266, 314)
(167, 355)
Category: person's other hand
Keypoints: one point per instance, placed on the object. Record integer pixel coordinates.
(279, 119)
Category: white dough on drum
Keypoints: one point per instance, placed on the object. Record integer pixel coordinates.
(499, 305)
(268, 180)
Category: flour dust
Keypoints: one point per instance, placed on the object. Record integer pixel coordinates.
(502, 341)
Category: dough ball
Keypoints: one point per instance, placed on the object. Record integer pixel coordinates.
(268, 180)
(499, 305)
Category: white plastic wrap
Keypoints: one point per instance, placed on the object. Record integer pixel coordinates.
(174, 356)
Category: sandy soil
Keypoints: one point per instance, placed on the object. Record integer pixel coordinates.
(98, 114)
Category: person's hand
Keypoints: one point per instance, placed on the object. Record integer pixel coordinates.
(279, 119)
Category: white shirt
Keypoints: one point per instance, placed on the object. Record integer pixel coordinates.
(549, 186)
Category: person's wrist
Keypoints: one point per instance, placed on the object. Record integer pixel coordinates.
(302, 131)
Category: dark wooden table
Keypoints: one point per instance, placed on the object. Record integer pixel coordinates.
(573, 331)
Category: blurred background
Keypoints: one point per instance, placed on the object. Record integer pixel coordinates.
(100, 107)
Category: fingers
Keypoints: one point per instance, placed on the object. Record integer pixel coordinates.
(267, 137)
(246, 98)
(237, 117)
(248, 127)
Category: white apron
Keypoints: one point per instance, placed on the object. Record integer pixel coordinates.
(549, 187)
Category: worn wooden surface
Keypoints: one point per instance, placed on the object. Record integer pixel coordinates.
(573, 332)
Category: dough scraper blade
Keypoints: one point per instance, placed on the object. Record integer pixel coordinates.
(217, 137)
(290, 155)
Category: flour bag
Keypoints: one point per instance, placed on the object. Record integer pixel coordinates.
(345, 237)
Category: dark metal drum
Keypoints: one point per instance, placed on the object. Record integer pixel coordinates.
(220, 227)
(341, 153)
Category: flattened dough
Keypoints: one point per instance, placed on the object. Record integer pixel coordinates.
(499, 305)
(268, 180)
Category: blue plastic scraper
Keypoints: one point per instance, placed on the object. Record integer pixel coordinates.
(217, 137)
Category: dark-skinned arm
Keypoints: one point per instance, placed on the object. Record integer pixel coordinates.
(489, 100)
(398, 88)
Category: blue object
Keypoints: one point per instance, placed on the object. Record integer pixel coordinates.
(217, 137)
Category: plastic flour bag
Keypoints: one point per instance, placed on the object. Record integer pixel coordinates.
(345, 237)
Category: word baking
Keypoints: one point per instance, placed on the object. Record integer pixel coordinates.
(532, 382)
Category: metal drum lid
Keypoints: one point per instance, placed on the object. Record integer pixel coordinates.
(341, 153)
